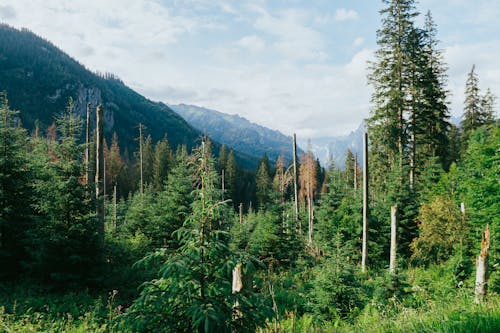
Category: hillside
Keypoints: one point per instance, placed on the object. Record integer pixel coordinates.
(237, 132)
(39, 79)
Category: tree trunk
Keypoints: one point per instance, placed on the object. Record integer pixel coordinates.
(481, 267)
(241, 213)
(114, 207)
(99, 171)
(237, 287)
(355, 172)
(87, 143)
(295, 180)
(140, 158)
(392, 260)
(222, 176)
(365, 202)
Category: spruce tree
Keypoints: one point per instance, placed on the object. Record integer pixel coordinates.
(472, 117)
(15, 194)
(192, 292)
(162, 164)
(263, 182)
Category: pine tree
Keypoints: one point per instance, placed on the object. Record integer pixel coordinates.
(232, 175)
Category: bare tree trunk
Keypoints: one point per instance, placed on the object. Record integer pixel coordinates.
(237, 287)
(355, 172)
(295, 180)
(140, 158)
(481, 267)
(412, 160)
(392, 260)
(114, 207)
(309, 211)
(241, 213)
(87, 143)
(99, 171)
(222, 184)
(365, 202)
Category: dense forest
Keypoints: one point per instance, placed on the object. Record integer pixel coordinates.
(184, 239)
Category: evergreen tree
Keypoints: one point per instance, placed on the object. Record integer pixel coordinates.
(222, 160)
(162, 164)
(193, 290)
(472, 117)
(391, 79)
(64, 244)
(15, 194)
(263, 182)
(231, 177)
(114, 163)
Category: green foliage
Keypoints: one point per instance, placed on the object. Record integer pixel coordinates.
(337, 288)
(15, 192)
(63, 244)
(193, 288)
(441, 231)
(263, 182)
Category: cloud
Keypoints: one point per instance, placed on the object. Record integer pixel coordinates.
(294, 38)
(252, 43)
(343, 14)
(7, 12)
(358, 42)
(460, 58)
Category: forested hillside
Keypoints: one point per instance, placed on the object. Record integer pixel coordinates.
(406, 241)
(40, 79)
(237, 132)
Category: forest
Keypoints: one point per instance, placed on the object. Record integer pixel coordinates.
(174, 239)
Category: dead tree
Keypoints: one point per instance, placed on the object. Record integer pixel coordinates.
(99, 171)
(392, 260)
(87, 143)
(295, 186)
(365, 202)
(140, 158)
(482, 267)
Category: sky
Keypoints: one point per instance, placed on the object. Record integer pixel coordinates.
(291, 65)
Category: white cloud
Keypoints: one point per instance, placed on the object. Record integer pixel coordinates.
(252, 43)
(294, 38)
(343, 14)
(460, 58)
(358, 42)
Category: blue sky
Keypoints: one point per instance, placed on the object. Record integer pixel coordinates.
(295, 66)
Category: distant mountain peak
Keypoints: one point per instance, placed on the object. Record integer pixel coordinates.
(237, 132)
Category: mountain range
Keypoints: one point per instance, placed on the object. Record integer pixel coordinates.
(238, 132)
(39, 79)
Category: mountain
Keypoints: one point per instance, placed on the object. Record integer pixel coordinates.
(39, 79)
(333, 149)
(237, 132)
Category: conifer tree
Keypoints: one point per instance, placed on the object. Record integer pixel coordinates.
(263, 182)
(65, 245)
(14, 190)
(162, 164)
(192, 292)
(232, 175)
(472, 117)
